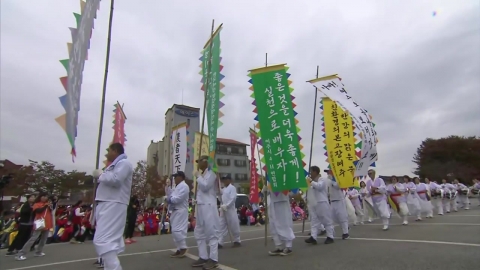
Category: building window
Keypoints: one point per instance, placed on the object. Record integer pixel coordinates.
(241, 176)
(225, 175)
(223, 162)
(240, 163)
(241, 151)
(221, 149)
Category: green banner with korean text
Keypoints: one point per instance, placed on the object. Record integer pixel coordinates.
(211, 82)
(278, 128)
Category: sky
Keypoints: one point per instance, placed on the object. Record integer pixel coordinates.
(417, 74)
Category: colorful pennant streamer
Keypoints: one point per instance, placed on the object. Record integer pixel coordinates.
(118, 122)
(211, 68)
(62, 120)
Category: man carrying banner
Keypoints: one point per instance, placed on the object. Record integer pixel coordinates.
(207, 222)
(112, 198)
(281, 223)
(177, 200)
(228, 213)
(337, 202)
(323, 210)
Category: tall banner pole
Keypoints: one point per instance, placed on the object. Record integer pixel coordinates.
(207, 81)
(265, 193)
(311, 147)
(102, 109)
(265, 185)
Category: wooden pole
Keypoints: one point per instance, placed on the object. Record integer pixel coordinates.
(102, 109)
(311, 145)
(265, 197)
(265, 194)
(205, 90)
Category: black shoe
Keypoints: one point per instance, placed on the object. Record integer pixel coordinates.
(311, 241)
(175, 254)
(275, 252)
(10, 253)
(199, 263)
(286, 252)
(237, 244)
(182, 254)
(323, 232)
(345, 236)
(211, 264)
(220, 246)
(328, 241)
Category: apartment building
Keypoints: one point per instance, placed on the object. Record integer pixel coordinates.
(232, 160)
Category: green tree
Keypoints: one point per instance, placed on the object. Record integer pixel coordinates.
(43, 176)
(146, 181)
(450, 157)
(139, 180)
(244, 188)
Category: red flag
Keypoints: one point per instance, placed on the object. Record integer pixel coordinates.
(253, 196)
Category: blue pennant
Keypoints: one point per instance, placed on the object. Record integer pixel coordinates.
(63, 101)
(256, 118)
(250, 81)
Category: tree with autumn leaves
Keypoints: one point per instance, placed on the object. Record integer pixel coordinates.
(451, 157)
(44, 176)
(146, 181)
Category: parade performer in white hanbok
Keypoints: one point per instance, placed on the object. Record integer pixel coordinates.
(315, 224)
(367, 203)
(424, 198)
(377, 190)
(475, 189)
(280, 222)
(435, 196)
(337, 202)
(112, 199)
(177, 199)
(450, 193)
(228, 213)
(432, 193)
(324, 212)
(397, 191)
(207, 225)
(413, 201)
(463, 193)
(354, 197)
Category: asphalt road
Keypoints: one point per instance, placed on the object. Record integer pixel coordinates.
(450, 242)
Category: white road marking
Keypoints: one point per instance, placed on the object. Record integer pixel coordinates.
(409, 241)
(427, 224)
(122, 255)
(448, 215)
(220, 266)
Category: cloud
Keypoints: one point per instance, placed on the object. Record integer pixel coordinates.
(415, 73)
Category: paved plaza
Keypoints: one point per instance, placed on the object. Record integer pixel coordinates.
(450, 242)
